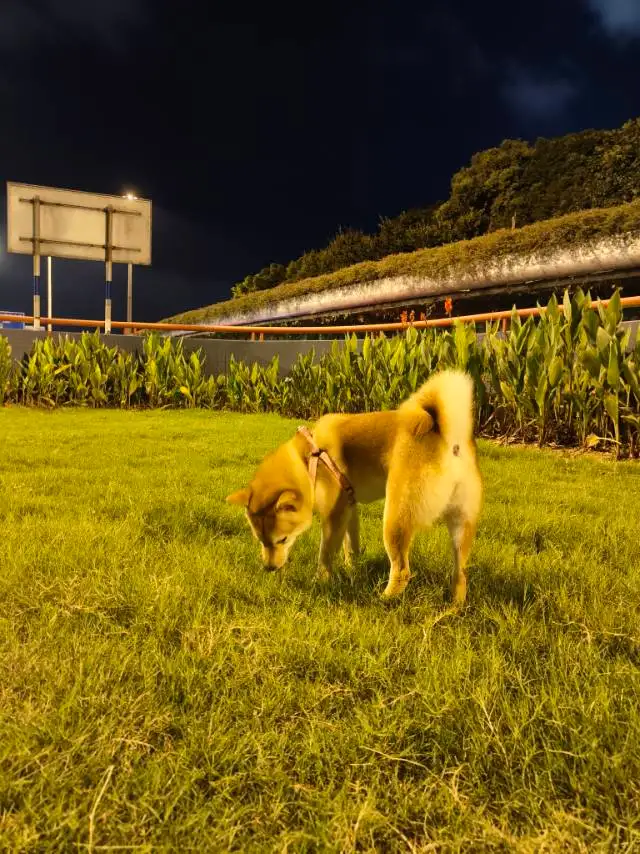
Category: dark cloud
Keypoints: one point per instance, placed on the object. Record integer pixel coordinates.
(536, 98)
(619, 18)
(105, 22)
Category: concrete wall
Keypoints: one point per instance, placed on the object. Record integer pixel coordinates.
(217, 351)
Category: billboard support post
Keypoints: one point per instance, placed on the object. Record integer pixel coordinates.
(108, 279)
(129, 296)
(36, 262)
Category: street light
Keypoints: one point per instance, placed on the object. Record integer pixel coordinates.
(132, 198)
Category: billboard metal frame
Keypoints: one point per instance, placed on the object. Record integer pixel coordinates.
(74, 231)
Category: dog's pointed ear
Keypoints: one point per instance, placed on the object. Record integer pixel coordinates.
(240, 497)
(289, 501)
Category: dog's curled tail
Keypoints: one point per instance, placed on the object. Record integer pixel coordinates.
(444, 404)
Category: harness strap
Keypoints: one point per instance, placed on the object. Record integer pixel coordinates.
(318, 454)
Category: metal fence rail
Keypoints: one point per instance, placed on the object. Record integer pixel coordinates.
(292, 331)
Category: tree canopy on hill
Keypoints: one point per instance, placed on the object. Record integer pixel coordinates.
(528, 182)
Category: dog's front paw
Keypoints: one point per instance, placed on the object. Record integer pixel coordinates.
(396, 585)
(323, 575)
(458, 592)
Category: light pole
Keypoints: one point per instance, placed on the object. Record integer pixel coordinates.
(129, 297)
(132, 197)
(49, 292)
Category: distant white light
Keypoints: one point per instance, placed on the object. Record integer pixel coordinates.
(130, 196)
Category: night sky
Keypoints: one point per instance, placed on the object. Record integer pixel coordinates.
(258, 132)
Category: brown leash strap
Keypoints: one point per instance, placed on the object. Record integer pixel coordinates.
(318, 454)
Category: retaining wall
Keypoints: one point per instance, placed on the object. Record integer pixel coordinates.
(217, 351)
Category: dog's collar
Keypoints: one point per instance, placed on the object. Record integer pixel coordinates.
(318, 454)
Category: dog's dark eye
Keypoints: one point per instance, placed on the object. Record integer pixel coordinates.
(282, 541)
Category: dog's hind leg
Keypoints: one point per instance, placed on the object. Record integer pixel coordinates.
(462, 519)
(462, 531)
(352, 539)
(398, 534)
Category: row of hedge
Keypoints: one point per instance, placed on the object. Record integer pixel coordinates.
(567, 378)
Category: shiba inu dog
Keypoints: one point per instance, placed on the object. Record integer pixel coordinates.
(421, 458)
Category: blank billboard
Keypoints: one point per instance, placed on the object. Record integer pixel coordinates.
(73, 224)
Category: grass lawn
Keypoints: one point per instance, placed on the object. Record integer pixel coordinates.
(160, 692)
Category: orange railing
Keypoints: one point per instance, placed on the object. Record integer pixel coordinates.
(627, 302)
